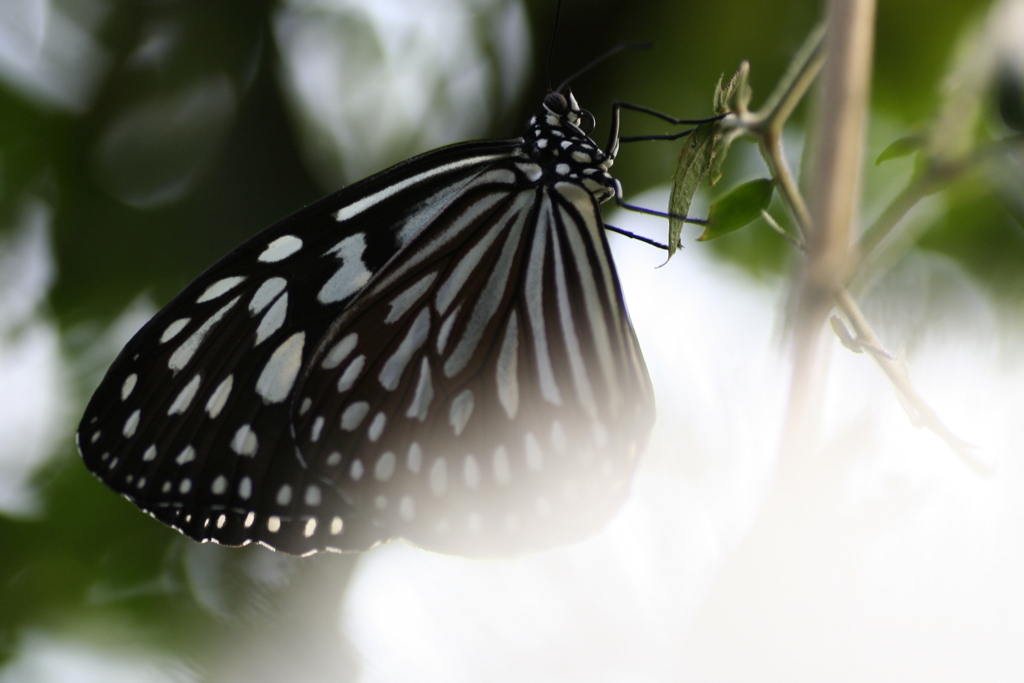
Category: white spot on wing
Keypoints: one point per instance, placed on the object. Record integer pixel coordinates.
(439, 477)
(401, 304)
(339, 352)
(220, 288)
(502, 469)
(129, 386)
(357, 207)
(577, 364)
(533, 172)
(376, 427)
(219, 397)
(150, 453)
(172, 330)
(353, 415)
(385, 466)
(351, 276)
(351, 374)
(183, 354)
(131, 424)
(489, 300)
(245, 488)
(535, 306)
(461, 409)
(267, 292)
(244, 442)
(415, 458)
(313, 495)
(446, 329)
(184, 397)
(424, 393)
(355, 470)
(314, 432)
(220, 485)
(187, 455)
(462, 271)
(280, 249)
(284, 495)
(407, 508)
(506, 372)
(393, 368)
(278, 376)
(273, 319)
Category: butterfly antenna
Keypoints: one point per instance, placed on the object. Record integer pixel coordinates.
(614, 51)
(551, 47)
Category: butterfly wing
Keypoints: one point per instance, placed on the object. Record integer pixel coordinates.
(440, 352)
(486, 396)
(193, 421)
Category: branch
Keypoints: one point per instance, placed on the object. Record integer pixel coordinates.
(836, 172)
(916, 407)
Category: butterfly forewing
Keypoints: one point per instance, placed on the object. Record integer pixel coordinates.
(440, 352)
(193, 420)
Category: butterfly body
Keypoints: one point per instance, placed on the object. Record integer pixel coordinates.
(439, 352)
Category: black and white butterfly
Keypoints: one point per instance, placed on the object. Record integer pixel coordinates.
(440, 352)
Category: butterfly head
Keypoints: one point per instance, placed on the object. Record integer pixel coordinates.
(558, 140)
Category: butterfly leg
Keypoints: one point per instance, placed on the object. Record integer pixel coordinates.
(614, 138)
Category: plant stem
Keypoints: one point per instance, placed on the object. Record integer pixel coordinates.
(847, 76)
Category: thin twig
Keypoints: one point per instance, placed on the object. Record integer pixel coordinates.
(923, 413)
(937, 175)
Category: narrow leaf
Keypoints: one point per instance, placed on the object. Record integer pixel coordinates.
(901, 148)
(693, 165)
(737, 208)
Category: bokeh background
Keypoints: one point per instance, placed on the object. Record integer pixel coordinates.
(140, 140)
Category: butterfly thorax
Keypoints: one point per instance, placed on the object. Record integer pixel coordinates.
(564, 152)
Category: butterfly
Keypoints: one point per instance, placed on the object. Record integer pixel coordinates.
(439, 352)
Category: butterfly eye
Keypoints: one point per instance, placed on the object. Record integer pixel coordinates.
(556, 103)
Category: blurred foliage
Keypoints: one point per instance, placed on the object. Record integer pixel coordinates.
(91, 565)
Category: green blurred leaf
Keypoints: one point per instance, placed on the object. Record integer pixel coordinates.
(901, 148)
(739, 207)
(694, 163)
(1010, 94)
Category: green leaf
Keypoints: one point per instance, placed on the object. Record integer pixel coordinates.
(724, 95)
(692, 168)
(901, 148)
(737, 208)
(735, 94)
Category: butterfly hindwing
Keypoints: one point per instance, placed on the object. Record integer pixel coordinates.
(475, 403)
